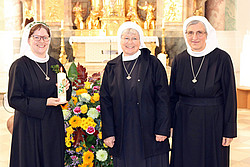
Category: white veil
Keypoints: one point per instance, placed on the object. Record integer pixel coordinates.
(211, 42)
(125, 26)
(25, 49)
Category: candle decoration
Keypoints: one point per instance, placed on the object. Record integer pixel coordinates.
(63, 55)
(62, 23)
(61, 85)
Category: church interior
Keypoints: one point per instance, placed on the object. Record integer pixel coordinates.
(84, 31)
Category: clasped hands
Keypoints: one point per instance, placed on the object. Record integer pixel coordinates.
(52, 101)
(110, 141)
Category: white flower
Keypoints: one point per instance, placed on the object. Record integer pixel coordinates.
(85, 97)
(93, 113)
(101, 155)
(66, 114)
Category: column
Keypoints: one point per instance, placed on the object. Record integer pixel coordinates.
(215, 13)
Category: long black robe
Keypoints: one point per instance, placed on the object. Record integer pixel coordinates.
(199, 129)
(149, 99)
(132, 148)
(38, 132)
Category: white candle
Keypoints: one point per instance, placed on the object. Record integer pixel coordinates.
(163, 23)
(81, 25)
(62, 23)
(61, 84)
(163, 59)
(145, 25)
(89, 25)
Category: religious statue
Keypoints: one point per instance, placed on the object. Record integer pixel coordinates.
(199, 7)
(93, 20)
(150, 18)
(28, 11)
(199, 12)
(78, 16)
(132, 15)
(171, 13)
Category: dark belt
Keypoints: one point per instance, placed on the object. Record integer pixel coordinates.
(201, 101)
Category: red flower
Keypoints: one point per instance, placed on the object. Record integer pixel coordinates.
(90, 130)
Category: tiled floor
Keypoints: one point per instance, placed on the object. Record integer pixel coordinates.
(240, 149)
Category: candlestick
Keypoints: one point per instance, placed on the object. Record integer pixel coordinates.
(61, 86)
(62, 56)
(62, 23)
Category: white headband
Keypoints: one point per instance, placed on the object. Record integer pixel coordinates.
(211, 42)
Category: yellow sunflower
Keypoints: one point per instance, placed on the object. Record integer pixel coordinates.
(75, 121)
(88, 157)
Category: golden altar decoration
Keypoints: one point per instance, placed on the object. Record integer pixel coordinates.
(106, 16)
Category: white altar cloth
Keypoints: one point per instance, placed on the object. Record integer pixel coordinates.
(85, 39)
(99, 49)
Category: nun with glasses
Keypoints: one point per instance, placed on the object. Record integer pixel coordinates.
(203, 99)
(38, 131)
(134, 100)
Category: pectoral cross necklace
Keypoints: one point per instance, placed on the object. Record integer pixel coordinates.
(129, 74)
(46, 74)
(194, 80)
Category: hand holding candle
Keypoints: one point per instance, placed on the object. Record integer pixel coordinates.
(61, 85)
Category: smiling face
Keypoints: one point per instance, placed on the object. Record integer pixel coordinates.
(196, 36)
(37, 43)
(130, 42)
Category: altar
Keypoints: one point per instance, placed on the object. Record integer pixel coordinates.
(96, 51)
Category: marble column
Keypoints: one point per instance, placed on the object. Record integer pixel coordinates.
(215, 13)
(230, 18)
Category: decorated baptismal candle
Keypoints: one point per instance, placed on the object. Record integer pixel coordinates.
(61, 84)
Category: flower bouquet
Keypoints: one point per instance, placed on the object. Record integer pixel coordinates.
(84, 147)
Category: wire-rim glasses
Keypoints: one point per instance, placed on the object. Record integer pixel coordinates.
(199, 34)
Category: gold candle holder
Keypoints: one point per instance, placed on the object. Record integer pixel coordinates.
(62, 56)
(163, 50)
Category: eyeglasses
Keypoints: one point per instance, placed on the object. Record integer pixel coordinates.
(199, 34)
(126, 39)
(38, 38)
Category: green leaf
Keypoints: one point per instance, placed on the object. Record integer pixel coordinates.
(91, 140)
(55, 68)
(72, 74)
